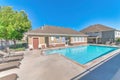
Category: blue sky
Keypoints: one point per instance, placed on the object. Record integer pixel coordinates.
(75, 14)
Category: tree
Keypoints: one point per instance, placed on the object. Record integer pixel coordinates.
(22, 25)
(13, 24)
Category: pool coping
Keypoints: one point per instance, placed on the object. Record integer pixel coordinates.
(81, 45)
(64, 47)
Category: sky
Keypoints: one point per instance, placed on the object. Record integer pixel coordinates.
(75, 14)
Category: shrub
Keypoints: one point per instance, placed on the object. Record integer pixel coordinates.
(118, 40)
(18, 49)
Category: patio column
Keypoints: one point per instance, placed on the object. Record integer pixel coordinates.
(47, 41)
(96, 40)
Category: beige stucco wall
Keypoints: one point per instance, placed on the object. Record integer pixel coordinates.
(30, 40)
(86, 39)
(41, 39)
(55, 40)
(71, 39)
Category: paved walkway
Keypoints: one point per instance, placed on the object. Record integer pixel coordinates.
(37, 67)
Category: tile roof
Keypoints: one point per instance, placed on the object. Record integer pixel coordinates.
(97, 28)
(54, 30)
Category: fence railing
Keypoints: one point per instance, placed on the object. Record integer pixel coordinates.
(19, 44)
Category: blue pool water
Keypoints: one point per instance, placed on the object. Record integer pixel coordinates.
(83, 54)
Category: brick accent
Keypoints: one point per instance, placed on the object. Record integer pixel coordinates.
(56, 45)
(79, 43)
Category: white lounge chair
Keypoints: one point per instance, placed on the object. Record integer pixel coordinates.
(108, 43)
(10, 77)
(10, 54)
(10, 59)
(9, 65)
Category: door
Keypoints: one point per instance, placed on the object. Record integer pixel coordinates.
(35, 43)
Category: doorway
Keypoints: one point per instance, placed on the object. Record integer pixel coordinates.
(35, 43)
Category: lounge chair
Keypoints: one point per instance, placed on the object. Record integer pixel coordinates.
(10, 77)
(1, 55)
(108, 43)
(10, 54)
(109, 70)
(113, 43)
(9, 65)
(9, 59)
(16, 54)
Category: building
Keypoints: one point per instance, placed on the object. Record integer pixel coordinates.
(101, 34)
(52, 36)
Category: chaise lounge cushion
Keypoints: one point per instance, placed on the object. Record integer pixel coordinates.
(10, 77)
(9, 65)
(16, 54)
(17, 58)
(10, 54)
(9, 59)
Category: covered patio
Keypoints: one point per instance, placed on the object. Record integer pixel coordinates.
(94, 39)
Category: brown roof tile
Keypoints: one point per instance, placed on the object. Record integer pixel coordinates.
(55, 30)
(97, 28)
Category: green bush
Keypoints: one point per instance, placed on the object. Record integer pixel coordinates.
(20, 45)
(118, 40)
(18, 49)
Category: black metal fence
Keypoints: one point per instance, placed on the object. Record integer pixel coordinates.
(11, 44)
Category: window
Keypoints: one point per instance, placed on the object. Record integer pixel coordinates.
(63, 39)
(52, 38)
(115, 33)
(78, 39)
(57, 39)
(75, 39)
(118, 33)
(82, 39)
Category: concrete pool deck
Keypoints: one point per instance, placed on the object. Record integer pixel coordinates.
(37, 67)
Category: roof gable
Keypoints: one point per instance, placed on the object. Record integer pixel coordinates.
(97, 28)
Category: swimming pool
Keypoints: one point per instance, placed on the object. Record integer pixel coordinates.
(83, 54)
